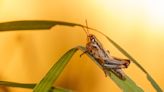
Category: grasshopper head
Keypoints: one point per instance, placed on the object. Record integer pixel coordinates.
(91, 38)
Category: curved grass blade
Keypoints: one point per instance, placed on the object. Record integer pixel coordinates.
(151, 80)
(31, 86)
(43, 24)
(34, 25)
(46, 83)
(127, 85)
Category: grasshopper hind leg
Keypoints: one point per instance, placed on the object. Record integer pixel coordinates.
(112, 66)
(119, 73)
(106, 72)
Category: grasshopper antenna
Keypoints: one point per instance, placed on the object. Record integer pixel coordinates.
(86, 30)
(87, 26)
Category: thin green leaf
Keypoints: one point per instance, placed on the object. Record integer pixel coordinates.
(31, 86)
(151, 80)
(59, 90)
(34, 25)
(154, 84)
(49, 79)
(14, 84)
(43, 24)
(127, 85)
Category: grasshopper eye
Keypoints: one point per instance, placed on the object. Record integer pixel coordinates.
(92, 38)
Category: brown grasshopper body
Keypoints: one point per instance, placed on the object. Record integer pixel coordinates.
(108, 62)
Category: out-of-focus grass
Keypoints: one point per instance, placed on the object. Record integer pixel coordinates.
(35, 25)
(46, 83)
(49, 79)
(31, 86)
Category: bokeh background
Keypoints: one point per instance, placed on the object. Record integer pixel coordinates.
(137, 25)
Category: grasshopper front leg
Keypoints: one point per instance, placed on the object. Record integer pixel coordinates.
(83, 53)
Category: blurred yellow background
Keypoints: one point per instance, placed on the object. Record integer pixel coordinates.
(137, 25)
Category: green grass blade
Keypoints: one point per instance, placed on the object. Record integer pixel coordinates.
(45, 24)
(127, 85)
(14, 84)
(31, 86)
(154, 84)
(34, 25)
(59, 90)
(151, 80)
(49, 79)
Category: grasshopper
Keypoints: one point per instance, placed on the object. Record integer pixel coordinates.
(103, 57)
